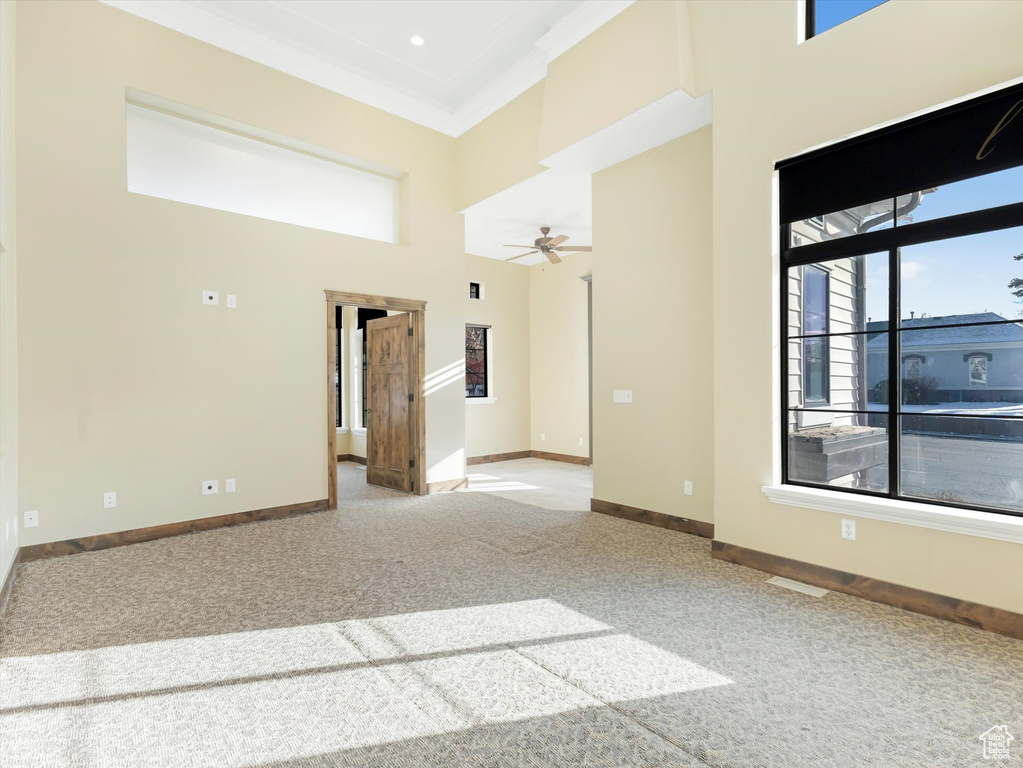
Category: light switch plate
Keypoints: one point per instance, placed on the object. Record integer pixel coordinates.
(209, 487)
(210, 297)
(623, 396)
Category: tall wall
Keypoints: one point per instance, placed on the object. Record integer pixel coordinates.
(158, 391)
(776, 99)
(8, 298)
(500, 423)
(651, 330)
(559, 356)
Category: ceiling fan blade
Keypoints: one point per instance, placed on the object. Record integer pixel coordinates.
(557, 240)
(579, 248)
(522, 256)
(506, 245)
(552, 257)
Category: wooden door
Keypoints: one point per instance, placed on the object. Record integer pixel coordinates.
(388, 388)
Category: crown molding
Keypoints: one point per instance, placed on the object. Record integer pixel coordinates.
(210, 28)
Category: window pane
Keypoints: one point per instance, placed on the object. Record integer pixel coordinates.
(831, 13)
(963, 280)
(475, 385)
(853, 375)
(857, 296)
(847, 450)
(815, 300)
(852, 221)
(989, 191)
(475, 361)
(963, 461)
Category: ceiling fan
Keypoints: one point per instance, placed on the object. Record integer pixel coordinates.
(548, 246)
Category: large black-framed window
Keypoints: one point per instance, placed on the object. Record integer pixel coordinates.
(476, 361)
(822, 15)
(920, 334)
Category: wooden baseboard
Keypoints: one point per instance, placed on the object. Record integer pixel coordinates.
(568, 459)
(661, 520)
(448, 485)
(495, 457)
(352, 457)
(120, 538)
(8, 583)
(491, 458)
(908, 598)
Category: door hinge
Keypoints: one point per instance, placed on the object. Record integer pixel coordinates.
(410, 395)
(411, 463)
(409, 331)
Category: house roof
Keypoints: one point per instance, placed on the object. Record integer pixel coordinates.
(934, 331)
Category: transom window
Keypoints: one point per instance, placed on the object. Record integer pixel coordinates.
(903, 359)
(822, 15)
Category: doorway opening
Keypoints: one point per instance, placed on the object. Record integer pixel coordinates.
(375, 373)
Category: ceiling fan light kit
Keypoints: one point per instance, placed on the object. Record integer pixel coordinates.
(549, 247)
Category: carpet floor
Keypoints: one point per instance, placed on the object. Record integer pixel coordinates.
(470, 630)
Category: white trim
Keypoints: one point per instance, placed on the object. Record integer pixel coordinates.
(358, 430)
(987, 525)
(473, 400)
(342, 430)
(210, 28)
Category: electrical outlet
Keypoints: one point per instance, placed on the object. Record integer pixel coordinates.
(109, 499)
(229, 485)
(543, 436)
(849, 529)
(209, 487)
(623, 395)
(688, 487)
(580, 441)
(32, 518)
(210, 297)
(232, 301)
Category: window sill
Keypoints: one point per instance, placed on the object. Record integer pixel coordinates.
(358, 430)
(986, 525)
(478, 400)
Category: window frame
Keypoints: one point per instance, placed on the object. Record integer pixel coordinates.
(479, 292)
(487, 395)
(872, 242)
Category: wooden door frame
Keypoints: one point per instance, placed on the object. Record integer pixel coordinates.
(417, 413)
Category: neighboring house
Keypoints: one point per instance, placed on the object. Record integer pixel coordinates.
(980, 363)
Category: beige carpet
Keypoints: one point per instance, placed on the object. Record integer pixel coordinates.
(469, 630)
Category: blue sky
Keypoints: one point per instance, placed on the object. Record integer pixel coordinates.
(962, 275)
(831, 13)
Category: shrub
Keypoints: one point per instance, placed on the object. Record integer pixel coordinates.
(920, 391)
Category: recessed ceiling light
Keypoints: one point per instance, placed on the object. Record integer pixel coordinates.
(416, 40)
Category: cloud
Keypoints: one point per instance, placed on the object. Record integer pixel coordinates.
(911, 269)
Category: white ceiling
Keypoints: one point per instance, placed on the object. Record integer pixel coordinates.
(477, 56)
(557, 199)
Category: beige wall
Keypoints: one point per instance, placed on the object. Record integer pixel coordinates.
(896, 59)
(651, 304)
(114, 345)
(630, 62)
(500, 151)
(501, 426)
(9, 522)
(559, 356)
